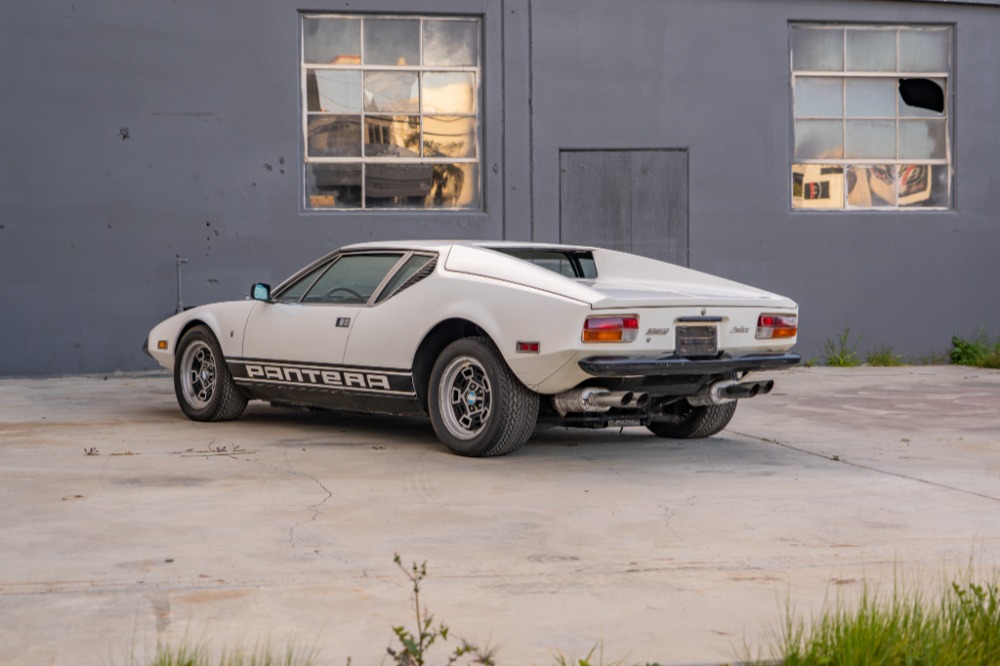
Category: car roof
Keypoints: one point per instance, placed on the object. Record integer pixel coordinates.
(444, 244)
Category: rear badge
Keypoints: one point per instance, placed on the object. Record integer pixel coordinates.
(657, 331)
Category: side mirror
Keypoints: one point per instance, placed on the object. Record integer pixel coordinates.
(260, 291)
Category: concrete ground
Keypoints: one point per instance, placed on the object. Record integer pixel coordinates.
(283, 525)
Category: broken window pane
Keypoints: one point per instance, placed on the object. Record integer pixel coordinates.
(451, 43)
(819, 97)
(333, 185)
(817, 186)
(331, 41)
(334, 136)
(392, 42)
(391, 92)
(871, 98)
(924, 50)
(819, 139)
(333, 90)
(871, 186)
(923, 185)
(817, 49)
(921, 98)
(922, 139)
(871, 50)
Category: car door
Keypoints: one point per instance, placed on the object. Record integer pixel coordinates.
(297, 340)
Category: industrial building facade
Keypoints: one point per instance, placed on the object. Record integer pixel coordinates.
(165, 154)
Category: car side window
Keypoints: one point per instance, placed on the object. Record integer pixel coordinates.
(295, 291)
(352, 279)
(407, 275)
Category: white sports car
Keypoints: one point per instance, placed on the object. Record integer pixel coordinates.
(488, 338)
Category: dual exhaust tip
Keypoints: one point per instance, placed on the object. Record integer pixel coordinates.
(596, 399)
(726, 391)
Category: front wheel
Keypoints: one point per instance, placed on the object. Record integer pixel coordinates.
(205, 389)
(696, 422)
(477, 406)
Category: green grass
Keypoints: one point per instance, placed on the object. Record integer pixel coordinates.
(838, 351)
(906, 628)
(981, 351)
(884, 357)
(201, 655)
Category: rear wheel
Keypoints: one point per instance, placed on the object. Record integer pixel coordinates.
(205, 389)
(696, 422)
(477, 406)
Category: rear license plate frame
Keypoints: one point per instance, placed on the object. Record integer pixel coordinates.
(698, 340)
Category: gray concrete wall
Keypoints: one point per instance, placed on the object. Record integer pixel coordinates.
(134, 133)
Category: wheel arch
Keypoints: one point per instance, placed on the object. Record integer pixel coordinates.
(431, 346)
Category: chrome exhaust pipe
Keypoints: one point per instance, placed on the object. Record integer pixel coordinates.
(596, 399)
(728, 390)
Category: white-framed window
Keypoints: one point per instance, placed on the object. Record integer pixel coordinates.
(391, 111)
(871, 117)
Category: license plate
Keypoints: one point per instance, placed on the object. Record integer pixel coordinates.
(697, 341)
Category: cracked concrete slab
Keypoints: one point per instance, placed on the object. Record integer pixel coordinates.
(284, 524)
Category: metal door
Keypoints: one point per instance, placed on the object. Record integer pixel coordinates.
(629, 200)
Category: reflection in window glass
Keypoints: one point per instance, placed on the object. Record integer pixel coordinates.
(334, 136)
(451, 43)
(333, 185)
(331, 41)
(392, 92)
(449, 136)
(869, 123)
(392, 42)
(295, 291)
(396, 126)
(333, 91)
(398, 185)
(449, 92)
(352, 279)
(401, 132)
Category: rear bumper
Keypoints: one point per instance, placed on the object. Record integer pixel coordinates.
(645, 366)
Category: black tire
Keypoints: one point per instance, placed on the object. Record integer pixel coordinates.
(205, 390)
(696, 422)
(477, 406)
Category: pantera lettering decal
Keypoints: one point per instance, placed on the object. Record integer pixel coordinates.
(322, 376)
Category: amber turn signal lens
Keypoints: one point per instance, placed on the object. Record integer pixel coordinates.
(770, 326)
(622, 328)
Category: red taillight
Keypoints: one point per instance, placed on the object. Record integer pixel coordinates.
(771, 326)
(623, 328)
